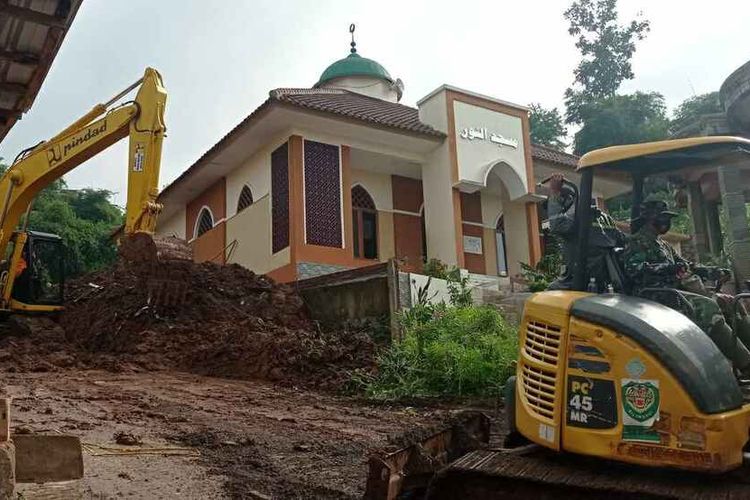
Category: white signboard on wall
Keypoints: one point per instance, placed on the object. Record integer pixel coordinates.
(487, 143)
(473, 244)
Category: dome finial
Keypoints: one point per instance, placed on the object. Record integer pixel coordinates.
(353, 44)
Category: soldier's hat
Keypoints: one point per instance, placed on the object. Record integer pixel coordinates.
(651, 209)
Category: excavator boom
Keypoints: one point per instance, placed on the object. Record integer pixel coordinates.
(142, 120)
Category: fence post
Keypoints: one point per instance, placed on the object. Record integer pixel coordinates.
(394, 299)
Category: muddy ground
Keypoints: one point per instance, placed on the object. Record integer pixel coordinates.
(208, 437)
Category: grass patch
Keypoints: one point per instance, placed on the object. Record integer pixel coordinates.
(446, 351)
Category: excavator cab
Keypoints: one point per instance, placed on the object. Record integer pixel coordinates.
(626, 378)
(40, 278)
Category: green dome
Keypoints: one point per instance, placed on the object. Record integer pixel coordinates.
(354, 65)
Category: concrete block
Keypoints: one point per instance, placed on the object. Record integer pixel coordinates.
(7, 470)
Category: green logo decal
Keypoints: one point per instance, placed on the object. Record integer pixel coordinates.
(641, 400)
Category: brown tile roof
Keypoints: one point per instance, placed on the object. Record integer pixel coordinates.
(334, 101)
(356, 106)
(551, 155)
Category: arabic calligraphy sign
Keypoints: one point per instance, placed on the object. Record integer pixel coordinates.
(482, 134)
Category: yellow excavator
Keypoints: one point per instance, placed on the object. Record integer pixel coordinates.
(32, 278)
(614, 395)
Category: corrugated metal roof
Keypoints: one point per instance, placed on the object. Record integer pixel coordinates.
(31, 32)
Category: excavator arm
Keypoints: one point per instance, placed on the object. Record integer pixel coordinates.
(142, 120)
(24, 254)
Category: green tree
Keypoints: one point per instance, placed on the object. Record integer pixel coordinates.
(84, 218)
(547, 126)
(606, 48)
(693, 108)
(622, 119)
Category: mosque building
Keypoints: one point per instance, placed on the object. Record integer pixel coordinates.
(342, 175)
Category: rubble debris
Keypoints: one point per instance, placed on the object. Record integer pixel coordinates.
(221, 321)
(127, 439)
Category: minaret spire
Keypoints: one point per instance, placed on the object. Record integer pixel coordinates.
(352, 27)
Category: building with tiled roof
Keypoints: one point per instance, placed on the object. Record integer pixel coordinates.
(342, 175)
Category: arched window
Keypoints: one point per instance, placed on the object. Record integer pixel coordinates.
(502, 256)
(204, 222)
(364, 224)
(245, 200)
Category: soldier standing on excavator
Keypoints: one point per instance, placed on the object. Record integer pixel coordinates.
(603, 237)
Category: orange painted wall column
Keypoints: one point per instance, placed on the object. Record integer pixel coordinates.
(532, 210)
(535, 238)
(296, 200)
(458, 228)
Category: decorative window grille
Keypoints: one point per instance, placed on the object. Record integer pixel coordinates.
(205, 222)
(322, 195)
(245, 200)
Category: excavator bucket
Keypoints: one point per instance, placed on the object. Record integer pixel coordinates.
(153, 255)
(409, 469)
(144, 247)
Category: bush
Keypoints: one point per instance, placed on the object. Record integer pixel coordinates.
(436, 268)
(545, 272)
(446, 350)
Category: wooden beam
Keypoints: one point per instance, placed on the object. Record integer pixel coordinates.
(31, 15)
(19, 57)
(17, 88)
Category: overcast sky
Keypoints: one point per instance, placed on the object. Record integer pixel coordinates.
(219, 59)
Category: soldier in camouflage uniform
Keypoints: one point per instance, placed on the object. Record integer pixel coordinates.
(603, 237)
(650, 262)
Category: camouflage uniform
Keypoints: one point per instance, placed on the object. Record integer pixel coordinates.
(651, 262)
(603, 237)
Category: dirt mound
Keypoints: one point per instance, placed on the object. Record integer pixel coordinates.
(46, 350)
(202, 318)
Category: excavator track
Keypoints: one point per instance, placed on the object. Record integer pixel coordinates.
(536, 472)
(486, 464)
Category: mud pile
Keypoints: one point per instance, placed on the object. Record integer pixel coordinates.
(202, 318)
